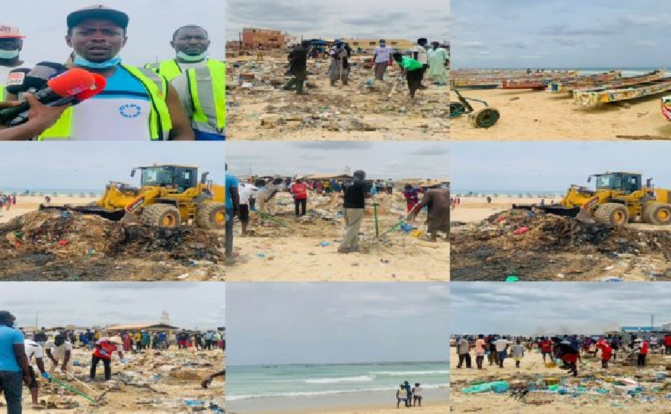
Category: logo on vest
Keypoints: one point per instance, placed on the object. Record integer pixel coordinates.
(130, 110)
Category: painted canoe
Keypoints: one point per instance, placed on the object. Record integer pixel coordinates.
(588, 97)
(584, 82)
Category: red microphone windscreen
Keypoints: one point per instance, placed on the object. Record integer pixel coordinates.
(72, 82)
(100, 83)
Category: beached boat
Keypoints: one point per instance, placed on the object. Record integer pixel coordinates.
(593, 97)
(584, 82)
(506, 80)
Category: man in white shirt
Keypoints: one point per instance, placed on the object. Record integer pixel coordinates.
(247, 192)
(11, 43)
(382, 59)
(266, 195)
(421, 54)
(501, 346)
(33, 349)
(59, 352)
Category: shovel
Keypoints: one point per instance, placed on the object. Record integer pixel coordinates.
(273, 219)
(395, 85)
(76, 391)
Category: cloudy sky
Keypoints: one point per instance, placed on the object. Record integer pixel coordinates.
(190, 305)
(90, 165)
(389, 19)
(560, 33)
(150, 28)
(552, 166)
(285, 323)
(542, 308)
(379, 159)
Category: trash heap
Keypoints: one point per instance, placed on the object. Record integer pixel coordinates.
(535, 246)
(622, 385)
(363, 106)
(65, 242)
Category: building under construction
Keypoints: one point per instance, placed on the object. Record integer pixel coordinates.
(252, 37)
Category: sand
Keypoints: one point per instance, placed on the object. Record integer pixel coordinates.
(428, 408)
(299, 255)
(341, 113)
(543, 116)
(532, 364)
(25, 204)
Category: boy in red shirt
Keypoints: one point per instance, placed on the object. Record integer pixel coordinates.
(606, 352)
(546, 348)
(643, 349)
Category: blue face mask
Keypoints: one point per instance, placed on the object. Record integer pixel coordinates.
(189, 58)
(9, 54)
(82, 61)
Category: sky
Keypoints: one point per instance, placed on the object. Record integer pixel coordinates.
(150, 28)
(552, 166)
(378, 159)
(198, 305)
(547, 308)
(91, 165)
(321, 323)
(391, 19)
(560, 33)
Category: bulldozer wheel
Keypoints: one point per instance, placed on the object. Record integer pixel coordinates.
(456, 109)
(484, 118)
(612, 214)
(658, 214)
(211, 216)
(161, 215)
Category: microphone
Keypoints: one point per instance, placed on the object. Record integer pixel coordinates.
(38, 76)
(60, 90)
(100, 83)
(16, 80)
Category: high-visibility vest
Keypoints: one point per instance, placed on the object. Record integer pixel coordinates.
(207, 87)
(170, 68)
(3, 94)
(160, 122)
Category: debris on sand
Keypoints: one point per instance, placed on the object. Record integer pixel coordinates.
(66, 245)
(551, 245)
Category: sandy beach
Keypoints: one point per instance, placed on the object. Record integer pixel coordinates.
(591, 375)
(308, 250)
(543, 116)
(361, 111)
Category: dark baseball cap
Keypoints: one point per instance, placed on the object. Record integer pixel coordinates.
(98, 11)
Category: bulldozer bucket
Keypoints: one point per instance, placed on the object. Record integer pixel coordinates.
(116, 215)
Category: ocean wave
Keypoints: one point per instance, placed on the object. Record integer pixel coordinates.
(335, 380)
(233, 397)
(409, 373)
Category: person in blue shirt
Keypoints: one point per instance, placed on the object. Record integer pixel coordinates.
(232, 210)
(14, 368)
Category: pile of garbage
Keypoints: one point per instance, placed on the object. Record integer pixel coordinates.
(540, 245)
(364, 106)
(67, 240)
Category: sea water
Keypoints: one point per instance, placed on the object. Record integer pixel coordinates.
(261, 388)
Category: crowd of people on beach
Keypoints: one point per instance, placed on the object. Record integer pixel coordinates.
(565, 348)
(408, 395)
(258, 194)
(424, 58)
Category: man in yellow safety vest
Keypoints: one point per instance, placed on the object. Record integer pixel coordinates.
(199, 81)
(11, 43)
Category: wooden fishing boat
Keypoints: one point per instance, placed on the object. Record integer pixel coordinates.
(584, 82)
(597, 96)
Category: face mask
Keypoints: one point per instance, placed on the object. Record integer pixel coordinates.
(82, 61)
(190, 58)
(9, 54)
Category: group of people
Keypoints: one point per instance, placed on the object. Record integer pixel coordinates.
(7, 201)
(567, 348)
(408, 395)
(181, 98)
(415, 64)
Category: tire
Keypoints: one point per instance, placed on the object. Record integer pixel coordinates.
(658, 214)
(211, 216)
(456, 109)
(484, 118)
(161, 215)
(612, 214)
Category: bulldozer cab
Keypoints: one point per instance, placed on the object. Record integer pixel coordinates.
(170, 176)
(624, 182)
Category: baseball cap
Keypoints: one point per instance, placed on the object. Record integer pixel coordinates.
(98, 11)
(10, 32)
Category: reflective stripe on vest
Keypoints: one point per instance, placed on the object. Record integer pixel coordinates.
(207, 86)
(3, 94)
(160, 122)
(169, 69)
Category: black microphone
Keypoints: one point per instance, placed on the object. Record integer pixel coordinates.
(16, 80)
(38, 76)
(58, 91)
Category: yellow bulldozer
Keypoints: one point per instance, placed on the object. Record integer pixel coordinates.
(168, 196)
(619, 197)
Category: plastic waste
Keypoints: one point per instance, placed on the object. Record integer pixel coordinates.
(486, 387)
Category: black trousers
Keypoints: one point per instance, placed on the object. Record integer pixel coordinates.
(108, 367)
(464, 357)
(641, 360)
(300, 206)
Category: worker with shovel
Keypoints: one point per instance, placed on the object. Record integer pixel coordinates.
(104, 348)
(413, 71)
(33, 349)
(339, 70)
(355, 193)
(437, 199)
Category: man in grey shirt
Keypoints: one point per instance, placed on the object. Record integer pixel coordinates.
(464, 351)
